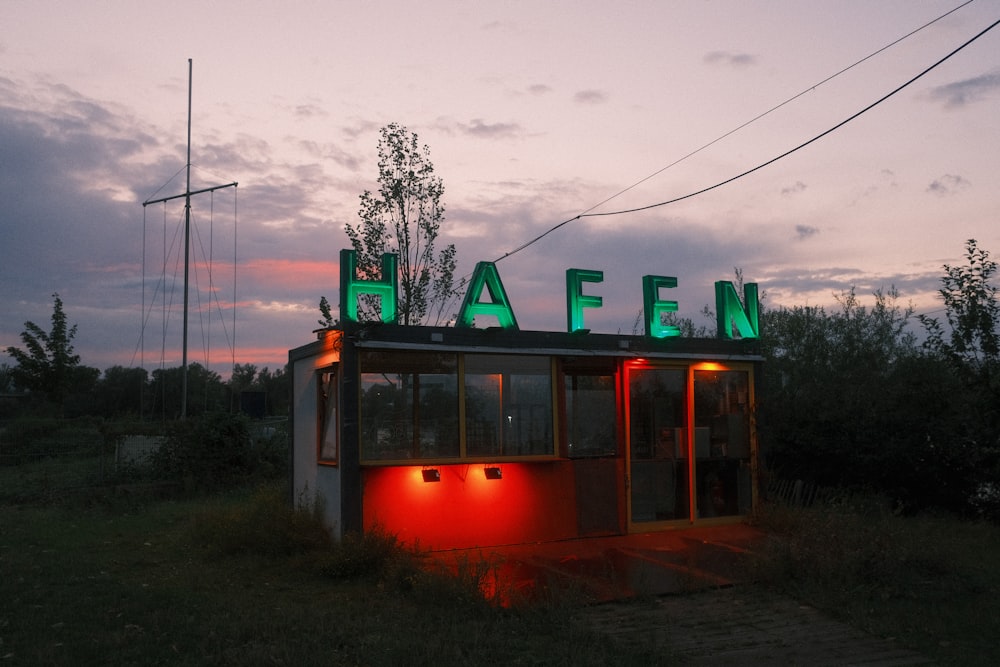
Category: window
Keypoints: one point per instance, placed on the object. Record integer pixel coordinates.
(328, 425)
(591, 414)
(409, 405)
(722, 419)
(508, 405)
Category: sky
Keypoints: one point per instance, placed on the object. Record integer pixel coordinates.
(533, 112)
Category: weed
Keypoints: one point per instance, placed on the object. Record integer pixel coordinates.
(928, 580)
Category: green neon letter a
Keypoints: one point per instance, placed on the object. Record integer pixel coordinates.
(499, 306)
(729, 312)
(654, 307)
(576, 301)
(351, 287)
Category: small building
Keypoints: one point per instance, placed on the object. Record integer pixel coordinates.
(456, 437)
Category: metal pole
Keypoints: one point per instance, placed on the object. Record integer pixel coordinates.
(187, 244)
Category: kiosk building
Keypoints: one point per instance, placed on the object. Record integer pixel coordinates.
(456, 437)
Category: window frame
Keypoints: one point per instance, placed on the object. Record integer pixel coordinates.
(415, 423)
(553, 417)
(327, 378)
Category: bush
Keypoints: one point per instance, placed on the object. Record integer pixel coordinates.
(26, 440)
(211, 451)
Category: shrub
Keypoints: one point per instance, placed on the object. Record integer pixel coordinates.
(210, 451)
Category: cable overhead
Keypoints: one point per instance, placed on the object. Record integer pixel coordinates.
(791, 99)
(587, 213)
(804, 144)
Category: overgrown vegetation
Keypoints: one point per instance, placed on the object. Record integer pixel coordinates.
(45, 460)
(246, 578)
(851, 399)
(930, 581)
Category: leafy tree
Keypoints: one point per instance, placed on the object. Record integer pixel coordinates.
(206, 391)
(6, 379)
(326, 313)
(971, 348)
(120, 390)
(972, 344)
(404, 216)
(48, 364)
(276, 386)
(849, 399)
(243, 377)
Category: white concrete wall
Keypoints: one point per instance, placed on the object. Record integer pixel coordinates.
(310, 479)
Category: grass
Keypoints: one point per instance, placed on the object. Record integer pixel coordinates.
(931, 582)
(242, 579)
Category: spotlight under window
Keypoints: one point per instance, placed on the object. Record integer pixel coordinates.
(431, 474)
(493, 472)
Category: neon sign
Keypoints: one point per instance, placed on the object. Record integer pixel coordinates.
(731, 313)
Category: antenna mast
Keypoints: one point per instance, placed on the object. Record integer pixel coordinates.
(187, 242)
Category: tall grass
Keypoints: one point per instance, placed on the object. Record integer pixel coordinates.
(243, 578)
(931, 581)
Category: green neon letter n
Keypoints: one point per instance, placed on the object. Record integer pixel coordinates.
(730, 313)
(655, 308)
(576, 301)
(499, 307)
(351, 287)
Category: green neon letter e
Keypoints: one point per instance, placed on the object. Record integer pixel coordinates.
(654, 307)
(351, 287)
(730, 312)
(499, 306)
(576, 301)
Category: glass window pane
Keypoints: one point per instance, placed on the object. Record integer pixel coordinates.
(722, 414)
(409, 405)
(658, 444)
(328, 426)
(508, 405)
(591, 415)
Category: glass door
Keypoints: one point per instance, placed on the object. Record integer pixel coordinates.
(658, 445)
(722, 442)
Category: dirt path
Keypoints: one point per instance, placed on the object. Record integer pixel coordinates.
(745, 625)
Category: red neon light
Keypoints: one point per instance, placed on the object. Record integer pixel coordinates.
(530, 503)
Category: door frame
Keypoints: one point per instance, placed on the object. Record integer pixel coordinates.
(631, 366)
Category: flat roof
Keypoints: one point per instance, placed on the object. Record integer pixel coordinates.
(555, 343)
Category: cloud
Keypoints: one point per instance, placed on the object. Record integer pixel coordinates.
(803, 232)
(330, 151)
(730, 58)
(590, 96)
(73, 175)
(482, 130)
(794, 189)
(308, 111)
(539, 89)
(948, 184)
(967, 91)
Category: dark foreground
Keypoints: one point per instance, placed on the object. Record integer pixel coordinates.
(685, 592)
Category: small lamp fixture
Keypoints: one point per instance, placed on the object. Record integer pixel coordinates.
(493, 472)
(431, 474)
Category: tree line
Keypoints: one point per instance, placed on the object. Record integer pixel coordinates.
(48, 380)
(853, 398)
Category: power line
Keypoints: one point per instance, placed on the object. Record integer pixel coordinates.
(589, 214)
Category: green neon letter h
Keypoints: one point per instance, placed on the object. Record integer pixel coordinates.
(351, 287)
(730, 313)
(654, 307)
(576, 301)
(499, 307)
